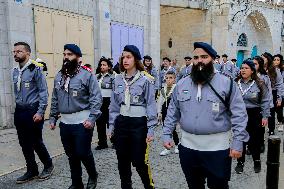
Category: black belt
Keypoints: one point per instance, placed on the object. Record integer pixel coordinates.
(33, 106)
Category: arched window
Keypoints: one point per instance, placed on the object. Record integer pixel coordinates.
(243, 40)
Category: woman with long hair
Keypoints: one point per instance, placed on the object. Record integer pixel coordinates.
(262, 74)
(133, 116)
(277, 88)
(278, 63)
(256, 97)
(105, 78)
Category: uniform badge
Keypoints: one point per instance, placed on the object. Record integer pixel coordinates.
(254, 95)
(107, 86)
(135, 99)
(185, 91)
(75, 93)
(215, 107)
(119, 86)
(27, 85)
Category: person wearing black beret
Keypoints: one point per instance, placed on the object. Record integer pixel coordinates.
(77, 98)
(132, 118)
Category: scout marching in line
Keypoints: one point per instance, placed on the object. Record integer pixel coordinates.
(222, 111)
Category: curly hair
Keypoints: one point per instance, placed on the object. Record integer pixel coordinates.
(109, 63)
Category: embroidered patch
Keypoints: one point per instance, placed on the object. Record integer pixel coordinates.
(119, 86)
(27, 85)
(107, 85)
(75, 93)
(254, 95)
(185, 91)
(135, 99)
(216, 107)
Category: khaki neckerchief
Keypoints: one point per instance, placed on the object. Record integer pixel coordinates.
(21, 70)
(127, 87)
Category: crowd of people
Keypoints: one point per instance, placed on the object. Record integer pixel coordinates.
(222, 110)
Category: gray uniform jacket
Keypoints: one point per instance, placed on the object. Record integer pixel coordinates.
(279, 86)
(228, 69)
(267, 82)
(253, 99)
(83, 94)
(142, 94)
(33, 88)
(155, 74)
(217, 66)
(209, 116)
(184, 72)
(107, 81)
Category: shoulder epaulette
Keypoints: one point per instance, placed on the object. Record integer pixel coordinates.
(151, 78)
(86, 68)
(36, 63)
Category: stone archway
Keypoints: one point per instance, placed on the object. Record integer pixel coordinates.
(257, 31)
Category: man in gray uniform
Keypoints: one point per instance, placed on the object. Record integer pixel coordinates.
(186, 69)
(208, 106)
(77, 98)
(31, 95)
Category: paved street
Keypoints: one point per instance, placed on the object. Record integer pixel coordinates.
(166, 171)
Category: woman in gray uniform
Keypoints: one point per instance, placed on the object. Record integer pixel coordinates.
(105, 78)
(257, 99)
(262, 74)
(133, 116)
(278, 63)
(277, 88)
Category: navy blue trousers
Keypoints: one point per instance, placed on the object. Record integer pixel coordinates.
(76, 140)
(199, 165)
(30, 137)
(130, 143)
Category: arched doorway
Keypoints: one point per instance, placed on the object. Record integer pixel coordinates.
(242, 44)
(254, 37)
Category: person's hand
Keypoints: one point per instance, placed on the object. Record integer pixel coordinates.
(149, 139)
(278, 103)
(37, 118)
(109, 135)
(52, 126)
(264, 122)
(235, 154)
(168, 145)
(88, 125)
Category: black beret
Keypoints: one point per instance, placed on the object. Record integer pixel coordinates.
(206, 47)
(166, 58)
(224, 55)
(188, 57)
(134, 50)
(217, 56)
(147, 57)
(250, 64)
(74, 49)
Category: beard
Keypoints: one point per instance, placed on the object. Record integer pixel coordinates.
(19, 60)
(201, 72)
(69, 67)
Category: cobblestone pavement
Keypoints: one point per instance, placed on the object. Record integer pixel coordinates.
(167, 173)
